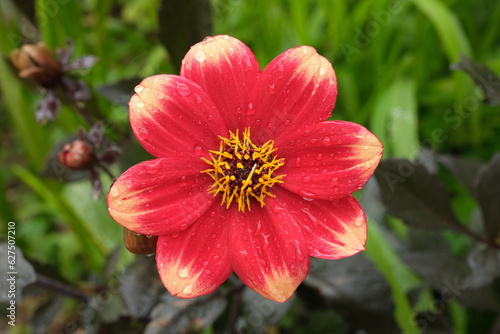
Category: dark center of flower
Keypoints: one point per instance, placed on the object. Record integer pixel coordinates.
(242, 170)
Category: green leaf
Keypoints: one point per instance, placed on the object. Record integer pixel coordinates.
(94, 250)
(395, 119)
(183, 24)
(448, 27)
(379, 250)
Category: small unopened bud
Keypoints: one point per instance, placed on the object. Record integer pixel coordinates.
(77, 155)
(139, 243)
(37, 62)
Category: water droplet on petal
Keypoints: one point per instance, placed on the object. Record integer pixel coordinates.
(326, 141)
(298, 163)
(139, 104)
(114, 192)
(306, 179)
(322, 70)
(143, 133)
(304, 49)
(263, 262)
(183, 89)
(359, 222)
(138, 89)
(183, 272)
(200, 56)
(307, 195)
(188, 289)
(161, 96)
(153, 166)
(319, 157)
(207, 272)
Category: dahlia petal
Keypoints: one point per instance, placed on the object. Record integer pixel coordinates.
(160, 196)
(268, 255)
(172, 116)
(329, 160)
(227, 70)
(297, 89)
(332, 229)
(195, 262)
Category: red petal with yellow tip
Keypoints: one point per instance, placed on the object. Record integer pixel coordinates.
(332, 229)
(172, 117)
(296, 89)
(160, 196)
(268, 255)
(329, 160)
(227, 70)
(195, 262)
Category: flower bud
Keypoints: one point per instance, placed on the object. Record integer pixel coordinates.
(77, 155)
(139, 243)
(37, 62)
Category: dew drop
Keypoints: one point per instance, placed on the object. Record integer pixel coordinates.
(305, 50)
(183, 272)
(198, 151)
(358, 223)
(210, 117)
(298, 162)
(114, 192)
(154, 166)
(143, 133)
(307, 195)
(183, 226)
(200, 56)
(306, 179)
(183, 89)
(161, 96)
(244, 252)
(207, 272)
(213, 214)
(322, 70)
(139, 104)
(319, 157)
(326, 141)
(138, 89)
(271, 89)
(300, 255)
(188, 289)
(263, 262)
(251, 109)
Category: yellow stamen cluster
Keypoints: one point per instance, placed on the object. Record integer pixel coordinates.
(242, 170)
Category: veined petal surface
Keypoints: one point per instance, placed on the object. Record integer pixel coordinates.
(332, 229)
(269, 256)
(329, 160)
(227, 70)
(196, 262)
(172, 116)
(160, 196)
(297, 89)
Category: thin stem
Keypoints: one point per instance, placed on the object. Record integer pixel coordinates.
(79, 106)
(61, 288)
(106, 170)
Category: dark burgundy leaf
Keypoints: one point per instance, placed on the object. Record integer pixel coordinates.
(120, 92)
(356, 290)
(66, 53)
(75, 90)
(174, 315)
(183, 24)
(110, 155)
(85, 62)
(25, 274)
(45, 315)
(485, 264)
(140, 286)
(449, 275)
(96, 134)
(259, 313)
(96, 184)
(464, 169)
(411, 193)
(488, 194)
(483, 76)
(49, 108)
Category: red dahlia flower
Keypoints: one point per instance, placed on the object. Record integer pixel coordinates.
(250, 176)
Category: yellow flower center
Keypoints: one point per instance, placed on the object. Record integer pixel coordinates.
(242, 170)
